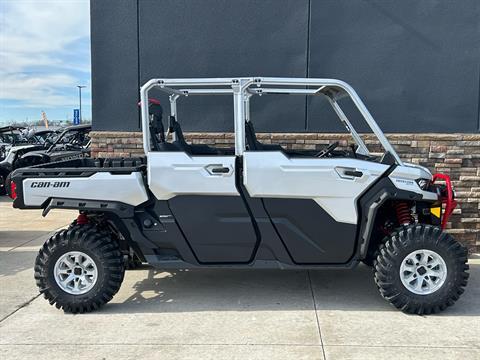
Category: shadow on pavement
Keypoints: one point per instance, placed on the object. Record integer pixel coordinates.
(268, 290)
(15, 238)
(12, 263)
(18, 250)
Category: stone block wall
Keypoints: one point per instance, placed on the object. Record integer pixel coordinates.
(455, 154)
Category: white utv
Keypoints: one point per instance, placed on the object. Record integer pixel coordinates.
(13, 144)
(253, 206)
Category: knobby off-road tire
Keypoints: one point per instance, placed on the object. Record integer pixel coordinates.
(101, 256)
(131, 261)
(421, 291)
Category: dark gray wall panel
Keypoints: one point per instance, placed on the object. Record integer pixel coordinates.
(414, 63)
(114, 64)
(224, 38)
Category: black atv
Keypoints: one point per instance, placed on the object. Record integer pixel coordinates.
(72, 143)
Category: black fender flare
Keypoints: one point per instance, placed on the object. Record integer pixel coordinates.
(122, 215)
(368, 205)
(19, 163)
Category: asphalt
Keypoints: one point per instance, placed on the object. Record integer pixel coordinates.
(220, 314)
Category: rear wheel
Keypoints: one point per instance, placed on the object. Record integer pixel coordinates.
(421, 270)
(79, 269)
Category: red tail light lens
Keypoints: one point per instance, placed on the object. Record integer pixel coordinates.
(13, 190)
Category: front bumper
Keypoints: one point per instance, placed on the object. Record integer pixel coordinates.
(446, 197)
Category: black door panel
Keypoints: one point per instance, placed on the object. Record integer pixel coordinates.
(218, 228)
(309, 233)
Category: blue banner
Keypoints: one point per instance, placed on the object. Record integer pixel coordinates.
(76, 117)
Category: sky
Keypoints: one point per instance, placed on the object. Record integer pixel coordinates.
(44, 55)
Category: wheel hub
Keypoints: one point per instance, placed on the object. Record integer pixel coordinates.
(423, 272)
(75, 272)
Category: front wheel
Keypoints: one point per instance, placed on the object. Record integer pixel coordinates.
(421, 270)
(79, 269)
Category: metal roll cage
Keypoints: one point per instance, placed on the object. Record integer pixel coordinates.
(244, 88)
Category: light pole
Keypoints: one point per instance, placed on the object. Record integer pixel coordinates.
(80, 87)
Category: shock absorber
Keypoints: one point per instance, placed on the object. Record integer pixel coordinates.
(82, 219)
(404, 213)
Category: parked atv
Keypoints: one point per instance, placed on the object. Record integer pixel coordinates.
(43, 136)
(72, 143)
(254, 206)
(14, 144)
(10, 136)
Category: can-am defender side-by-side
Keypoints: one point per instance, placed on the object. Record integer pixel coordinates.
(253, 206)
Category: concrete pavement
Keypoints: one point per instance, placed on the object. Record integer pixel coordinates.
(220, 314)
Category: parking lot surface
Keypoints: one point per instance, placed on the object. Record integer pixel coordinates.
(220, 314)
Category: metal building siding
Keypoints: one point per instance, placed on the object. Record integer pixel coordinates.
(218, 38)
(114, 43)
(415, 64)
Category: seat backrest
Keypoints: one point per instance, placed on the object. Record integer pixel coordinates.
(180, 142)
(157, 132)
(251, 137)
(253, 144)
(156, 125)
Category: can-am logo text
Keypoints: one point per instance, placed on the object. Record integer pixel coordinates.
(47, 184)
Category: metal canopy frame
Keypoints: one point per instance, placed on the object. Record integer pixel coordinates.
(242, 89)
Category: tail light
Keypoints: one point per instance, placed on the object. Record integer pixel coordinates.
(13, 190)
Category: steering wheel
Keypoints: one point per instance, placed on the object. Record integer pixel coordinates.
(69, 146)
(327, 150)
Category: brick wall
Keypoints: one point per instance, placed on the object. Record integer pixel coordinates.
(455, 154)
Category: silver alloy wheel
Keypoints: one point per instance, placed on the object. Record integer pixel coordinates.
(423, 272)
(75, 272)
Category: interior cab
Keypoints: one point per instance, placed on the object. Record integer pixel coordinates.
(261, 195)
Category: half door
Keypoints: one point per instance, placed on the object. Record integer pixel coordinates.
(202, 194)
(312, 202)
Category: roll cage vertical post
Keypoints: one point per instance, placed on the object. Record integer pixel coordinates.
(246, 101)
(362, 148)
(243, 88)
(173, 112)
(173, 104)
(241, 105)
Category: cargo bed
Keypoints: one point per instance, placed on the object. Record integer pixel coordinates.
(118, 180)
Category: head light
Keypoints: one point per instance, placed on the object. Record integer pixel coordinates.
(423, 183)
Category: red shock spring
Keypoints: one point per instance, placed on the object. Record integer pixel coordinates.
(82, 219)
(404, 213)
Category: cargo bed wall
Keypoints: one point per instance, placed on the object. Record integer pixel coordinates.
(37, 186)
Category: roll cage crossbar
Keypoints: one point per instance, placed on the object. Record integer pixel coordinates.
(242, 89)
(61, 136)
